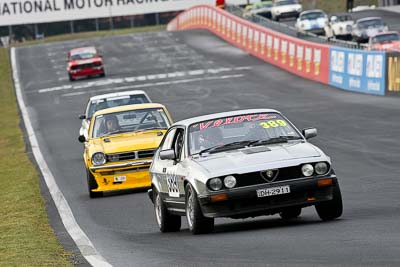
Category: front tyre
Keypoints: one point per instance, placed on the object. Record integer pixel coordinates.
(166, 222)
(92, 185)
(198, 224)
(331, 209)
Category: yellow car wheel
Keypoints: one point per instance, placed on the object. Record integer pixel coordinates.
(92, 185)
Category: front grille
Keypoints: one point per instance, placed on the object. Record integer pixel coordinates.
(86, 66)
(254, 178)
(131, 155)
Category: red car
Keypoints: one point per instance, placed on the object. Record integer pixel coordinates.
(388, 41)
(84, 62)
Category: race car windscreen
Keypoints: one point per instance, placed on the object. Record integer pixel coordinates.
(111, 102)
(386, 38)
(372, 23)
(130, 121)
(312, 16)
(242, 128)
(83, 55)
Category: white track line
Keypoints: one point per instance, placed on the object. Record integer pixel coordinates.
(81, 240)
(146, 85)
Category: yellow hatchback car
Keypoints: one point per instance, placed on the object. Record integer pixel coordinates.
(121, 144)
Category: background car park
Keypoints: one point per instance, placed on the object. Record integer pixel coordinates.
(367, 27)
(313, 21)
(285, 9)
(388, 41)
(340, 26)
(262, 9)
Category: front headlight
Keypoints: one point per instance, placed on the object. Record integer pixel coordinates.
(215, 184)
(307, 170)
(321, 168)
(98, 158)
(230, 181)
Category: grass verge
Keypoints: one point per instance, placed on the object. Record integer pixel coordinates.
(85, 35)
(26, 238)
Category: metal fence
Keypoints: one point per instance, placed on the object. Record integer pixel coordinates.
(291, 31)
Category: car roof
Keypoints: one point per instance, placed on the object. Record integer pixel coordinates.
(109, 95)
(341, 14)
(128, 107)
(312, 11)
(369, 18)
(385, 33)
(82, 49)
(190, 121)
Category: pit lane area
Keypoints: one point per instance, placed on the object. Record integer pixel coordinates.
(195, 73)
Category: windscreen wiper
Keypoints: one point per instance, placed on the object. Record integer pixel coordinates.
(149, 129)
(228, 146)
(274, 140)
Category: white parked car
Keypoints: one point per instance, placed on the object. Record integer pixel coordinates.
(286, 9)
(100, 102)
(340, 26)
(367, 27)
(313, 21)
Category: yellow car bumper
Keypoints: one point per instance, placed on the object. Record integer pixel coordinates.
(109, 179)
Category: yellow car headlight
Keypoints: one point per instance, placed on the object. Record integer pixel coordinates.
(98, 158)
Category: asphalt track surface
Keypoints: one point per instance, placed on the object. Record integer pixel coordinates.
(198, 73)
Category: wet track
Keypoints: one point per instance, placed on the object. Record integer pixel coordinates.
(196, 73)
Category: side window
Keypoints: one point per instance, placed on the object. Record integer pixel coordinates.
(178, 143)
(167, 143)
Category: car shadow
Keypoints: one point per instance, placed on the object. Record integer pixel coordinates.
(266, 224)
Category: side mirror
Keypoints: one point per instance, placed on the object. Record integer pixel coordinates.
(167, 154)
(82, 139)
(82, 116)
(309, 133)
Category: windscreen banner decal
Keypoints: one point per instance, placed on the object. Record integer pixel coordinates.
(231, 120)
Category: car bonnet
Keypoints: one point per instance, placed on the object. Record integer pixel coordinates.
(130, 141)
(259, 158)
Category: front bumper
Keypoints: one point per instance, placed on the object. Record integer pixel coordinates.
(318, 31)
(243, 202)
(136, 175)
(87, 72)
(290, 14)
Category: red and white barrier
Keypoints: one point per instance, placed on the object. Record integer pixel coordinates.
(305, 59)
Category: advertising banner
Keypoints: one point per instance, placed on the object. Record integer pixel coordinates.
(358, 70)
(393, 73)
(15, 12)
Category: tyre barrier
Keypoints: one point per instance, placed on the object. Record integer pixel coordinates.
(349, 69)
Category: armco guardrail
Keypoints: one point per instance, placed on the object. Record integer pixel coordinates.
(306, 59)
(349, 69)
